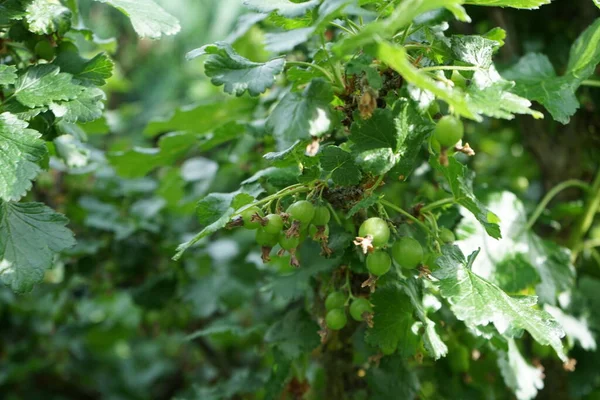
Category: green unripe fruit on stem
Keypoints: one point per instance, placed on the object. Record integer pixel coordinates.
(288, 243)
(335, 300)
(266, 239)
(336, 319)
(247, 215)
(44, 50)
(322, 216)
(446, 235)
(448, 131)
(407, 252)
(274, 224)
(379, 263)
(302, 211)
(378, 229)
(359, 307)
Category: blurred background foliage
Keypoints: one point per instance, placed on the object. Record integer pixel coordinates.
(114, 321)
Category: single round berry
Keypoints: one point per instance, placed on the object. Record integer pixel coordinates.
(247, 215)
(266, 239)
(313, 230)
(45, 50)
(335, 300)
(322, 216)
(302, 211)
(446, 235)
(448, 131)
(359, 307)
(378, 229)
(274, 223)
(288, 243)
(407, 252)
(378, 263)
(336, 319)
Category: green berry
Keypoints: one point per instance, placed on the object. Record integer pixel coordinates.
(407, 252)
(247, 215)
(446, 235)
(336, 319)
(359, 307)
(378, 263)
(302, 211)
(376, 228)
(44, 50)
(335, 300)
(274, 223)
(322, 216)
(288, 243)
(266, 239)
(448, 131)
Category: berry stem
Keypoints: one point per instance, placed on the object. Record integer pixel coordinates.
(436, 204)
(406, 214)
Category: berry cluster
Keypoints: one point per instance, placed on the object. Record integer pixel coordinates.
(301, 220)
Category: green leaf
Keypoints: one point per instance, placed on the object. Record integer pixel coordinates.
(22, 150)
(460, 183)
(44, 84)
(585, 53)
(392, 379)
(392, 320)
(30, 235)
(8, 74)
(94, 71)
(86, 107)
(520, 259)
(402, 16)
(597, 3)
(148, 18)
(527, 4)
(11, 10)
(294, 334)
(341, 165)
(432, 341)
(536, 80)
(237, 73)
(413, 129)
(364, 203)
(377, 132)
(497, 101)
(45, 17)
(285, 8)
(522, 378)
(473, 50)
(478, 302)
(139, 161)
(396, 57)
(362, 65)
(203, 117)
(300, 116)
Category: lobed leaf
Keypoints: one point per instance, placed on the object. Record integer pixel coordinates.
(30, 235)
(478, 302)
(22, 150)
(238, 74)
